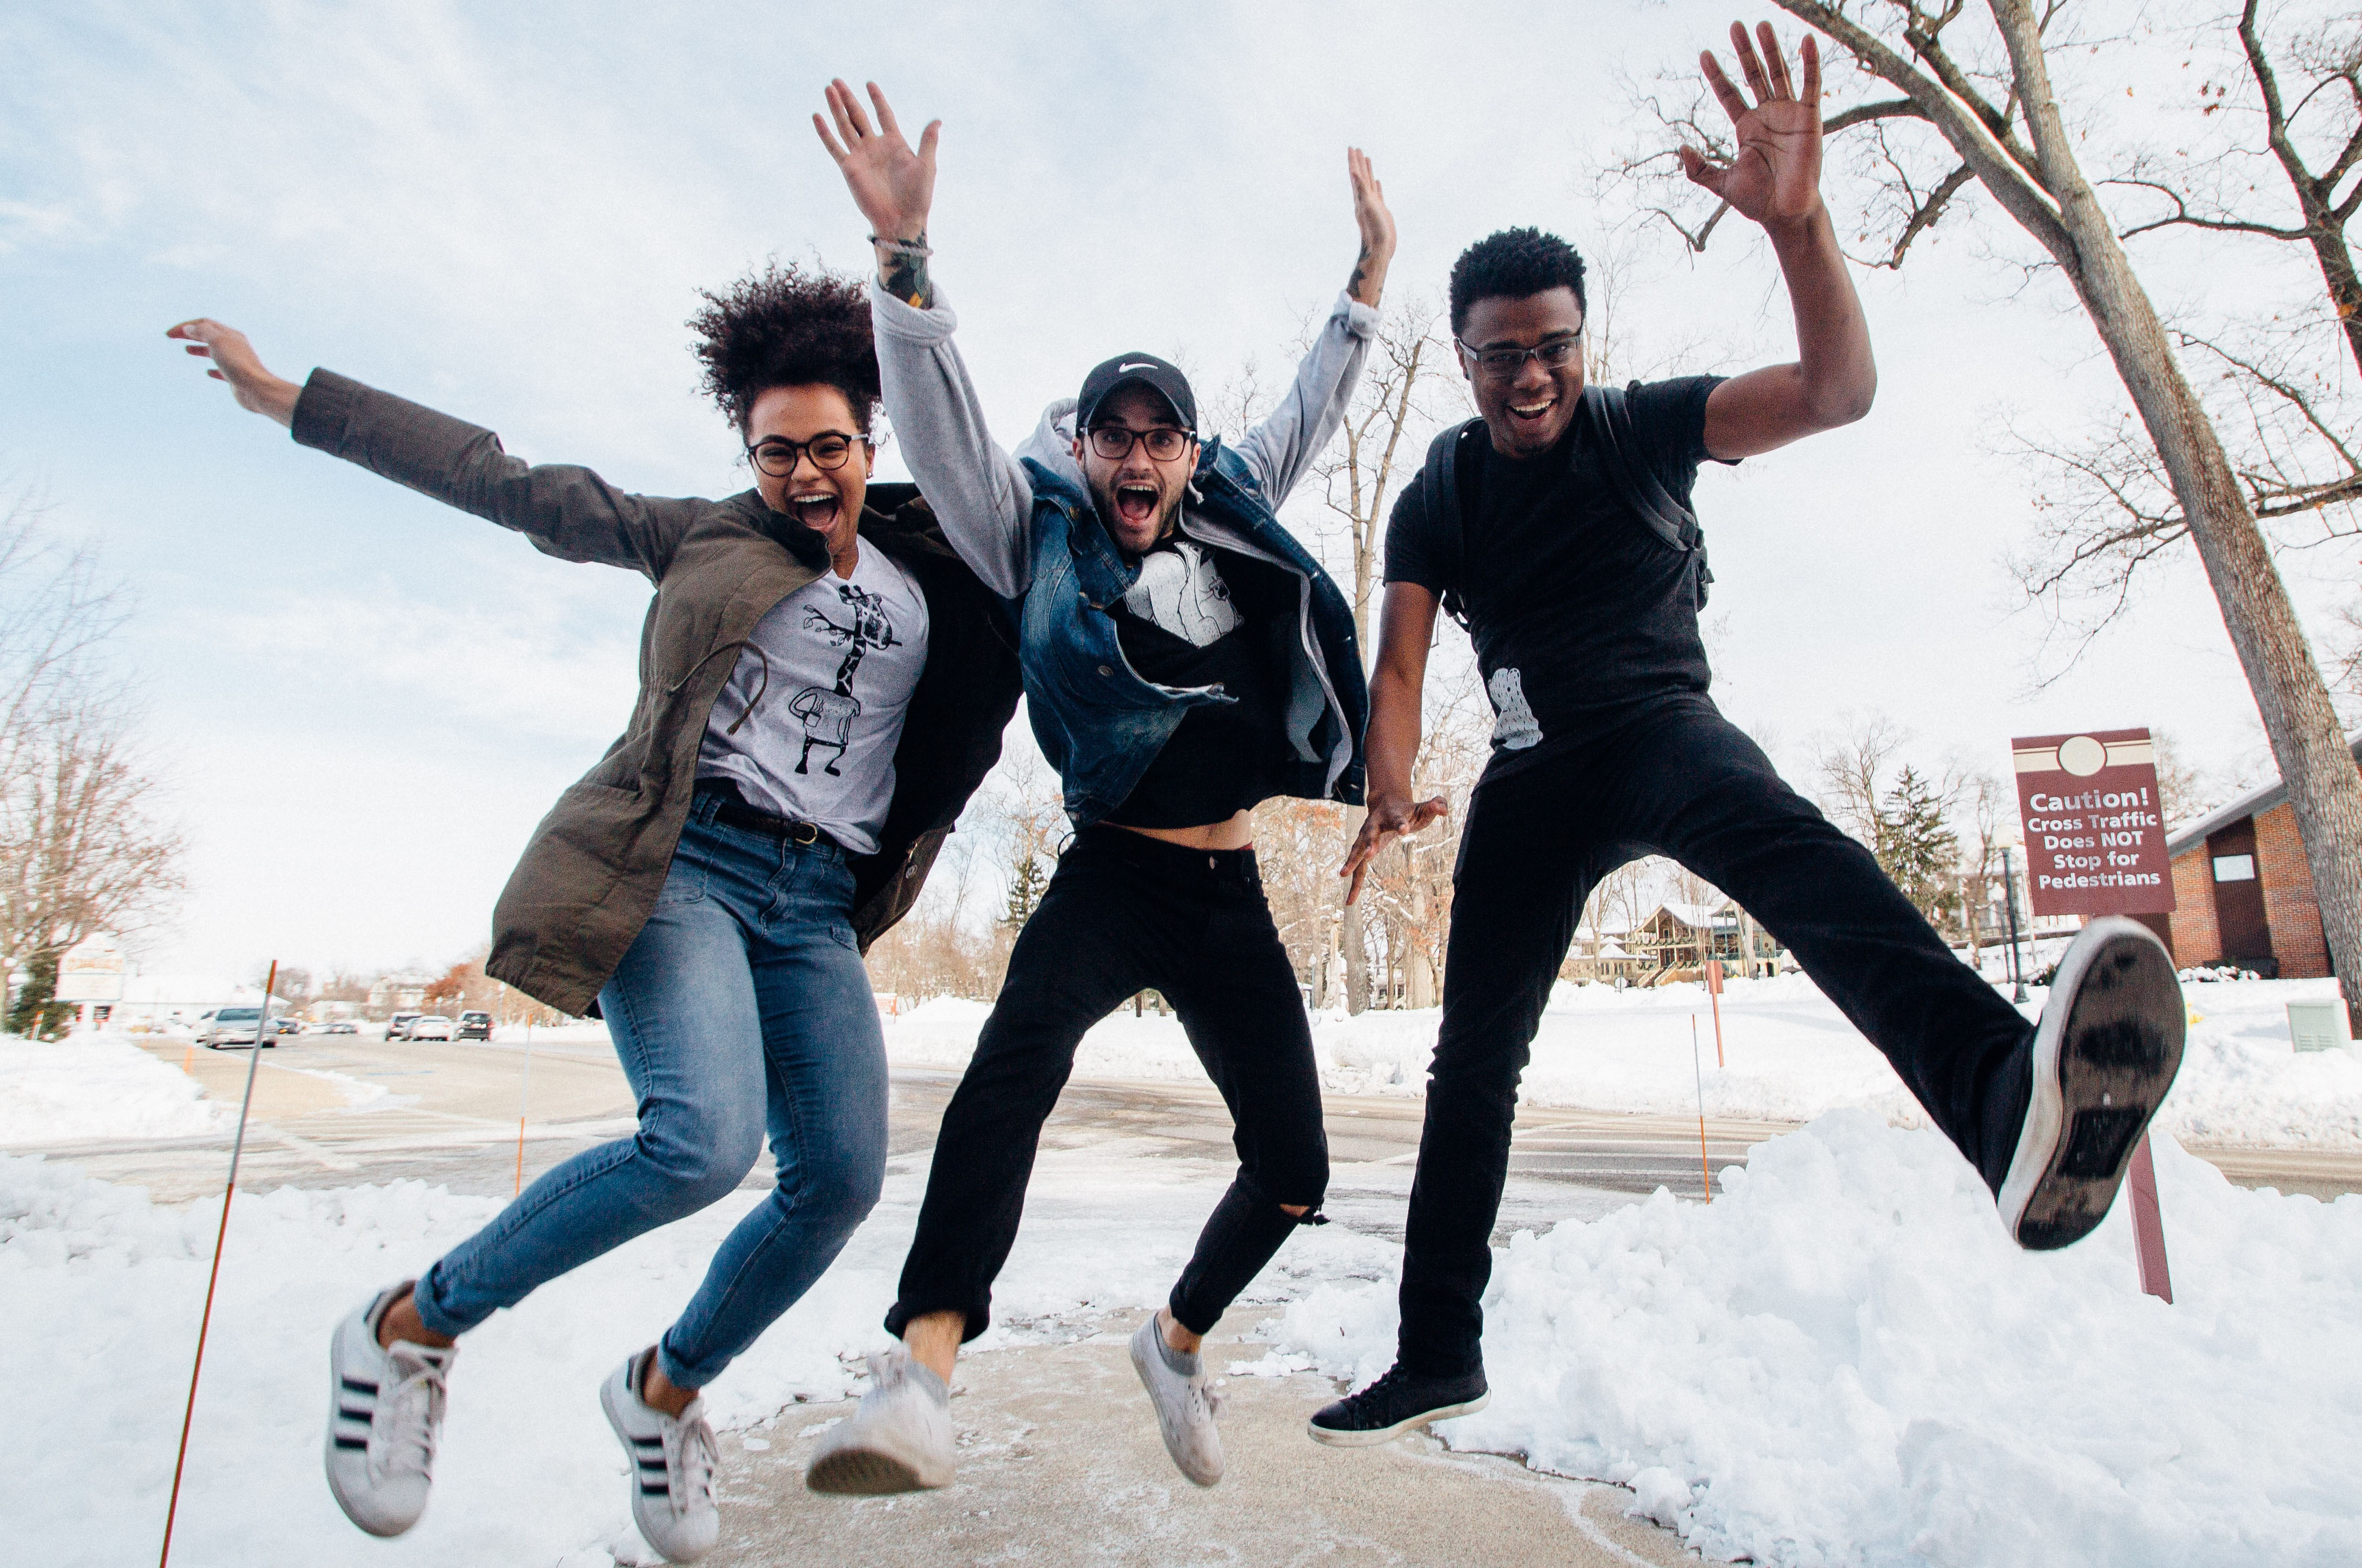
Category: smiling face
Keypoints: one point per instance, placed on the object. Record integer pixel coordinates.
(1528, 412)
(1137, 494)
(826, 500)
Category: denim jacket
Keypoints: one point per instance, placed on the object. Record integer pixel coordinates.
(1098, 722)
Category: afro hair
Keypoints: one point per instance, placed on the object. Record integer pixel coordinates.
(1512, 264)
(787, 326)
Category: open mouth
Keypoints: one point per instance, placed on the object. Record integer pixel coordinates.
(1533, 411)
(1136, 503)
(815, 509)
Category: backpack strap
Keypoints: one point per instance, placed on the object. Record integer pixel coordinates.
(1439, 493)
(1609, 411)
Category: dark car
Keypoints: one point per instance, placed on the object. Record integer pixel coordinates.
(474, 1026)
(398, 1026)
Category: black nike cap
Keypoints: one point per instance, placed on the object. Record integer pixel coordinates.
(1160, 376)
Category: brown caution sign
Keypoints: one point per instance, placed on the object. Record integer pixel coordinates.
(2095, 832)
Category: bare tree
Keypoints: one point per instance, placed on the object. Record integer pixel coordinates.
(1985, 100)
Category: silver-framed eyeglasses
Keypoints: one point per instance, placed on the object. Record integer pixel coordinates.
(776, 455)
(1113, 442)
(1501, 364)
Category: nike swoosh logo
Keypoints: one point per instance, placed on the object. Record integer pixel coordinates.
(1119, 370)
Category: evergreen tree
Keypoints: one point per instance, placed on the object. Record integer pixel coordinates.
(1916, 849)
(1025, 889)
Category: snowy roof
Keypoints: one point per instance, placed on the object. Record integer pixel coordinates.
(2253, 804)
(1698, 916)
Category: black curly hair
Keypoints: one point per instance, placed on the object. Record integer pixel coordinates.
(1512, 264)
(787, 326)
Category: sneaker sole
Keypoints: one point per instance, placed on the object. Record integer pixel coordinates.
(866, 1472)
(1377, 1435)
(2100, 1073)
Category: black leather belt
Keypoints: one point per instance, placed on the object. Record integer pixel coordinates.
(729, 806)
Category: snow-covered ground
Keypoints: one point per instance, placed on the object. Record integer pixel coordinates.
(1788, 1055)
(1843, 1361)
(97, 1086)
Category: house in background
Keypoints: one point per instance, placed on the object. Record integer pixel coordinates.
(2242, 892)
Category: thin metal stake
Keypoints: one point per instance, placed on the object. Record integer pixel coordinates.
(524, 1092)
(236, 1149)
(1698, 1066)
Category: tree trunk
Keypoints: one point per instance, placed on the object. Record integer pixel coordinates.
(1357, 963)
(2324, 788)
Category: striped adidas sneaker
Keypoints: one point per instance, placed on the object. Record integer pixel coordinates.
(385, 1411)
(672, 1465)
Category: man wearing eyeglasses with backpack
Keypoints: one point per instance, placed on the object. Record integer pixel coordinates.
(1183, 659)
(1558, 526)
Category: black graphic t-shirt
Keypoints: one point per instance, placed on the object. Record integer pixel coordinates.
(1579, 611)
(1203, 617)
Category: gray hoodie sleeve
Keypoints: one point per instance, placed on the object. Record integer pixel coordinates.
(1284, 446)
(978, 493)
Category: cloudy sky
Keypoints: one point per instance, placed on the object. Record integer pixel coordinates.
(364, 702)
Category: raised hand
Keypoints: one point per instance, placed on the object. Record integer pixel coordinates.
(234, 360)
(1377, 226)
(893, 186)
(1775, 177)
(1384, 821)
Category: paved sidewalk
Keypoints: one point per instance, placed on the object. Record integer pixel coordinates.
(1060, 1464)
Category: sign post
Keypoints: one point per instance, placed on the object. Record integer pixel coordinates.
(2095, 846)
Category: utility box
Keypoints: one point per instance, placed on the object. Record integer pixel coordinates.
(2319, 1025)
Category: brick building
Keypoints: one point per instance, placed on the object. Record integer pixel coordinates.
(2241, 891)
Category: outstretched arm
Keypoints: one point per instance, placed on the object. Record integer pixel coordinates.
(1282, 448)
(978, 493)
(1405, 627)
(1775, 180)
(567, 512)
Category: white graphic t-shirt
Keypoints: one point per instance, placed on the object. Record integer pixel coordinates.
(829, 674)
(1180, 589)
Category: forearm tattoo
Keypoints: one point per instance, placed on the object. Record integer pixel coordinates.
(1361, 272)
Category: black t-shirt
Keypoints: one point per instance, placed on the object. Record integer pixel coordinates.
(1578, 611)
(1224, 756)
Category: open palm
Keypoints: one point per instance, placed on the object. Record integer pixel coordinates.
(1776, 174)
(893, 186)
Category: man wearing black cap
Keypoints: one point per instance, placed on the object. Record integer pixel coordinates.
(1184, 658)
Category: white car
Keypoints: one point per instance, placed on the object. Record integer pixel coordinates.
(232, 1027)
(429, 1026)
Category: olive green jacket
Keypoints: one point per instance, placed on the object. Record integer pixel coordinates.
(592, 869)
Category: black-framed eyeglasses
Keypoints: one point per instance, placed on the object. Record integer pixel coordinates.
(1113, 442)
(1501, 364)
(776, 455)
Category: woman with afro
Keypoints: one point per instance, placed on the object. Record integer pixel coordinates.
(823, 685)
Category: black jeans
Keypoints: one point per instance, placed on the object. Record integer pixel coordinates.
(1126, 913)
(1683, 781)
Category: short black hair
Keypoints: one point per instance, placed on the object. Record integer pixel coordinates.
(1511, 264)
(787, 326)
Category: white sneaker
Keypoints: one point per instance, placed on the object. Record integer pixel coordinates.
(385, 1412)
(2106, 1051)
(672, 1466)
(899, 1440)
(1186, 1408)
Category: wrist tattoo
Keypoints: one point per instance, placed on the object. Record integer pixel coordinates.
(902, 268)
(1361, 271)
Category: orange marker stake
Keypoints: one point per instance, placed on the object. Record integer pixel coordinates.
(1705, 1170)
(524, 1090)
(1714, 993)
(238, 1148)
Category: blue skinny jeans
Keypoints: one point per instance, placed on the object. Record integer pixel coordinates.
(742, 1010)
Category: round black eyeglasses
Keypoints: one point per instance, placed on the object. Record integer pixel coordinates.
(776, 455)
(1113, 442)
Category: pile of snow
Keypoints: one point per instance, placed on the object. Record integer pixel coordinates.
(1843, 1361)
(104, 1292)
(97, 1087)
(1788, 1055)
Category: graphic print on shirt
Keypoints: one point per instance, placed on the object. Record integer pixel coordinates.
(828, 715)
(1180, 590)
(1515, 728)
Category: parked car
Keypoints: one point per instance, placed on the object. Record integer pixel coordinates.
(231, 1027)
(398, 1026)
(341, 1026)
(429, 1026)
(475, 1026)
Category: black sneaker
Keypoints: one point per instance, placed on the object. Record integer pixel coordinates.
(2106, 1051)
(1393, 1406)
